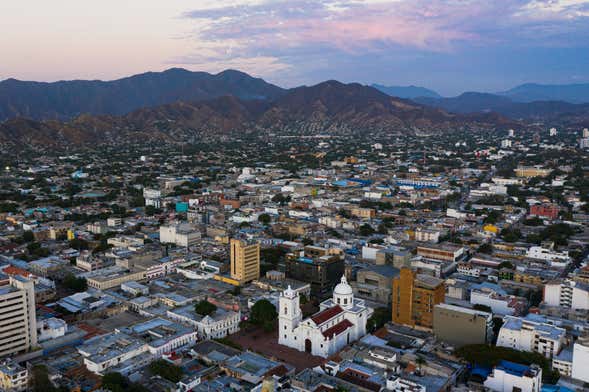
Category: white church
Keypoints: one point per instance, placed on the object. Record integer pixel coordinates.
(340, 321)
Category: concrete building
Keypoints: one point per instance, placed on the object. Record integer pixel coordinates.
(399, 384)
(18, 322)
(216, 325)
(499, 302)
(581, 359)
(374, 283)
(13, 377)
(567, 293)
(321, 267)
(340, 321)
(414, 298)
(103, 352)
(460, 326)
(179, 234)
(531, 171)
(427, 235)
(556, 259)
(110, 277)
(548, 211)
(245, 260)
(445, 252)
(510, 377)
(153, 197)
(526, 334)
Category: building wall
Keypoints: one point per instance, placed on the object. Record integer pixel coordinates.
(321, 275)
(502, 381)
(18, 323)
(459, 328)
(245, 261)
(412, 304)
(581, 360)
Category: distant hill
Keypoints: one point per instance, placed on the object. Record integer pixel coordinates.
(530, 92)
(473, 102)
(407, 91)
(67, 99)
(327, 108)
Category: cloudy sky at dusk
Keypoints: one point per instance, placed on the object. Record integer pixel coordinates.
(448, 45)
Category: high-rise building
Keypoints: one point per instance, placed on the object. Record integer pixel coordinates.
(585, 133)
(320, 267)
(245, 260)
(581, 359)
(414, 298)
(18, 324)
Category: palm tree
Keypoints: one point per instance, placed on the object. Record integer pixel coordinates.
(420, 361)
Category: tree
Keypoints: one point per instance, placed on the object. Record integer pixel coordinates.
(511, 235)
(489, 356)
(79, 244)
(379, 318)
(264, 219)
(165, 369)
(28, 236)
(74, 283)
(420, 361)
(40, 380)
(505, 264)
(366, 230)
(486, 248)
(204, 308)
(116, 382)
(263, 314)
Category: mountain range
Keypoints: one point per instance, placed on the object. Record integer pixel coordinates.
(473, 102)
(330, 107)
(409, 92)
(178, 104)
(67, 99)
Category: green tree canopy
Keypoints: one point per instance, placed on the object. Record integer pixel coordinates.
(165, 369)
(264, 314)
(204, 308)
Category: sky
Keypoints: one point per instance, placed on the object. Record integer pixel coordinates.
(450, 46)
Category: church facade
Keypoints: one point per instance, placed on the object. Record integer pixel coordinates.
(340, 321)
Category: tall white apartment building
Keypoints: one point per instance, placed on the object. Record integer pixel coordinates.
(567, 294)
(581, 359)
(18, 324)
(525, 334)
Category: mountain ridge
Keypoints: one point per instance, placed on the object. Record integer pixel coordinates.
(329, 107)
(64, 100)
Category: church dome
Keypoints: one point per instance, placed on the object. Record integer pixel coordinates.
(343, 288)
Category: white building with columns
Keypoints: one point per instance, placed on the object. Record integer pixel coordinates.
(340, 321)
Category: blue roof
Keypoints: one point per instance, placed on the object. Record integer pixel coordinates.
(516, 369)
(555, 388)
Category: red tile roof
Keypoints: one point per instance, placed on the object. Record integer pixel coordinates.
(338, 328)
(327, 314)
(11, 270)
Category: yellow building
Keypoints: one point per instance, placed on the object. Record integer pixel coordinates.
(414, 298)
(531, 171)
(364, 213)
(245, 260)
(491, 228)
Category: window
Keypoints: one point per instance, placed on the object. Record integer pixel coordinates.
(285, 310)
(345, 301)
